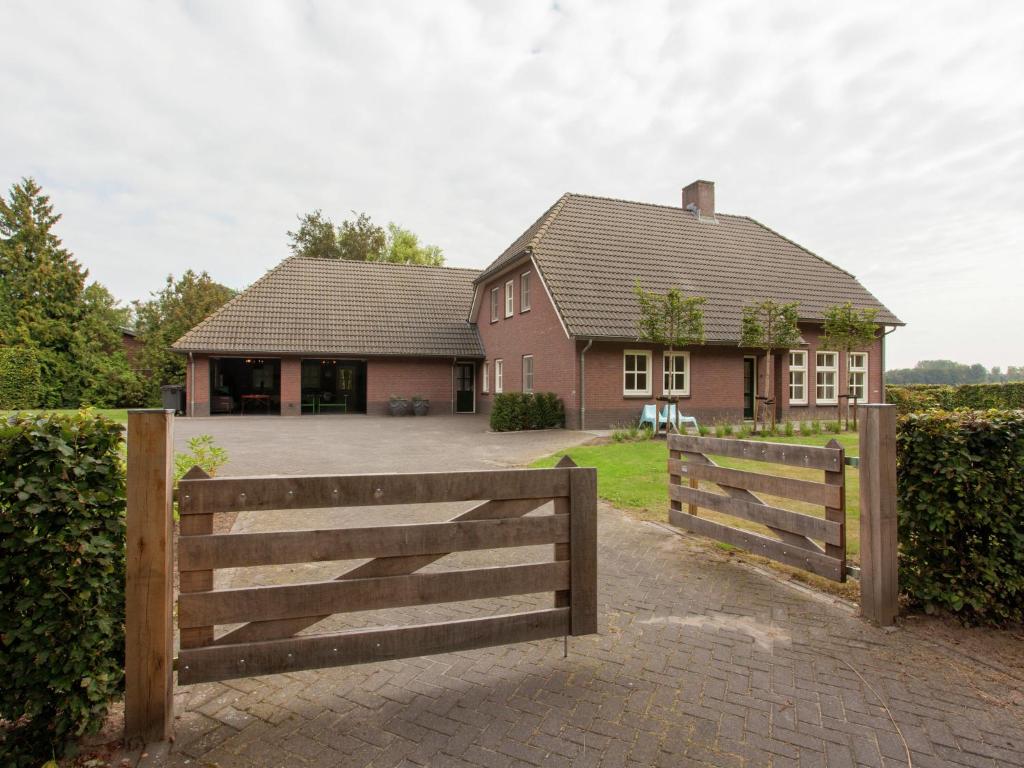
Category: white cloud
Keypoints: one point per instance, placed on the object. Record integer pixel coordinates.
(890, 141)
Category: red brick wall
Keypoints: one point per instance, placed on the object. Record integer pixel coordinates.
(198, 403)
(291, 386)
(408, 377)
(536, 332)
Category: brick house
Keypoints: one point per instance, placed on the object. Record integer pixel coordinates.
(554, 312)
(321, 336)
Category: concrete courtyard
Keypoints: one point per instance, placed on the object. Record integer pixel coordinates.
(699, 660)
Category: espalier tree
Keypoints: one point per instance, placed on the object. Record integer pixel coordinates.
(672, 320)
(769, 325)
(849, 330)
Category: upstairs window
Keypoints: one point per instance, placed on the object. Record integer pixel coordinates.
(524, 292)
(528, 373)
(858, 367)
(798, 377)
(826, 372)
(677, 374)
(509, 298)
(636, 372)
(485, 384)
(494, 305)
(499, 376)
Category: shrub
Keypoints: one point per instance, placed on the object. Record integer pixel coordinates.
(806, 429)
(815, 427)
(915, 398)
(728, 429)
(21, 382)
(745, 431)
(632, 433)
(514, 411)
(62, 540)
(961, 513)
(834, 427)
(702, 430)
(719, 430)
(788, 429)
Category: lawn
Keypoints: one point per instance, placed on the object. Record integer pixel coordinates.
(117, 414)
(634, 477)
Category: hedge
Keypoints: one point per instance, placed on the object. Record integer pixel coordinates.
(62, 559)
(514, 411)
(914, 398)
(961, 513)
(21, 381)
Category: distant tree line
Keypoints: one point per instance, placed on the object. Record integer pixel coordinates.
(359, 239)
(950, 372)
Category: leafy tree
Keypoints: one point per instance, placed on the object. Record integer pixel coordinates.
(360, 239)
(403, 247)
(769, 325)
(316, 237)
(40, 289)
(107, 379)
(849, 330)
(670, 319)
(167, 316)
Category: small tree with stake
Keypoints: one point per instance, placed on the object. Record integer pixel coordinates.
(769, 325)
(849, 330)
(672, 320)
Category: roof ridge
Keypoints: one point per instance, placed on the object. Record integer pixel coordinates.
(387, 264)
(678, 208)
(801, 247)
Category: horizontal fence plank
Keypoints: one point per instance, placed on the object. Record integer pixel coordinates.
(237, 494)
(786, 487)
(811, 457)
(758, 512)
(815, 562)
(235, 550)
(224, 662)
(231, 606)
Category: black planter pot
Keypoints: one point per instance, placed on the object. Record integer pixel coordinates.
(399, 407)
(421, 407)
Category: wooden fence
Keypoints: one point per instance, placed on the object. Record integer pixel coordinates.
(270, 617)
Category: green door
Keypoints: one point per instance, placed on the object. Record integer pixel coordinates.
(465, 388)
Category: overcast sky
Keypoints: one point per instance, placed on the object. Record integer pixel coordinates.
(886, 137)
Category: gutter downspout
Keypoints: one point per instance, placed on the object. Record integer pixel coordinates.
(192, 386)
(884, 334)
(583, 384)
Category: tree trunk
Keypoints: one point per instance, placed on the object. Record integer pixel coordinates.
(769, 402)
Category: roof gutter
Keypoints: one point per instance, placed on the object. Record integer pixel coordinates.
(583, 384)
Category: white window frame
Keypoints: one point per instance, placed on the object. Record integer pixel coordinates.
(525, 304)
(800, 368)
(822, 370)
(494, 305)
(858, 370)
(510, 298)
(528, 377)
(648, 372)
(485, 380)
(670, 369)
(499, 376)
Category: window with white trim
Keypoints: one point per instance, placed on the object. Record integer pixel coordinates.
(676, 366)
(499, 376)
(485, 383)
(858, 368)
(826, 371)
(528, 373)
(494, 305)
(524, 292)
(636, 372)
(798, 377)
(509, 298)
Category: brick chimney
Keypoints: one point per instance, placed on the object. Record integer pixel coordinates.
(699, 197)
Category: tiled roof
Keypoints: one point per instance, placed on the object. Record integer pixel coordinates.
(329, 306)
(590, 251)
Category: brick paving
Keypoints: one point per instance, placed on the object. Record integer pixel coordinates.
(699, 661)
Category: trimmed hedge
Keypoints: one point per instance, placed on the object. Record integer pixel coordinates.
(21, 380)
(514, 411)
(913, 398)
(62, 560)
(961, 513)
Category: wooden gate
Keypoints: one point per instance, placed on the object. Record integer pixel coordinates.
(272, 616)
(796, 532)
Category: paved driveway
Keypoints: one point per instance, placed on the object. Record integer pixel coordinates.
(698, 660)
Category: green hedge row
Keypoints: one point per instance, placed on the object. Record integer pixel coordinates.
(21, 380)
(62, 559)
(513, 411)
(961, 513)
(913, 398)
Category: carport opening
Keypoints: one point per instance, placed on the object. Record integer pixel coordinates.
(245, 385)
(332, 386)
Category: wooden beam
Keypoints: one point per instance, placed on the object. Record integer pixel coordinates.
(236, 550)
(194, 580)
(382, 566)
(583, 546)
(563, 551)
(836, 511)
(230, 606)
(149, 651)
(879, 587)
(815, 562)
(367, 645)
(774, 485)
(236, 494)
(811, 457)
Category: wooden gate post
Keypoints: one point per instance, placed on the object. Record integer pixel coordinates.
(148, 709)
(878, 522)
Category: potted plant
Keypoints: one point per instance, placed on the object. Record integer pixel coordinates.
(398, 406)
(420, 405)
